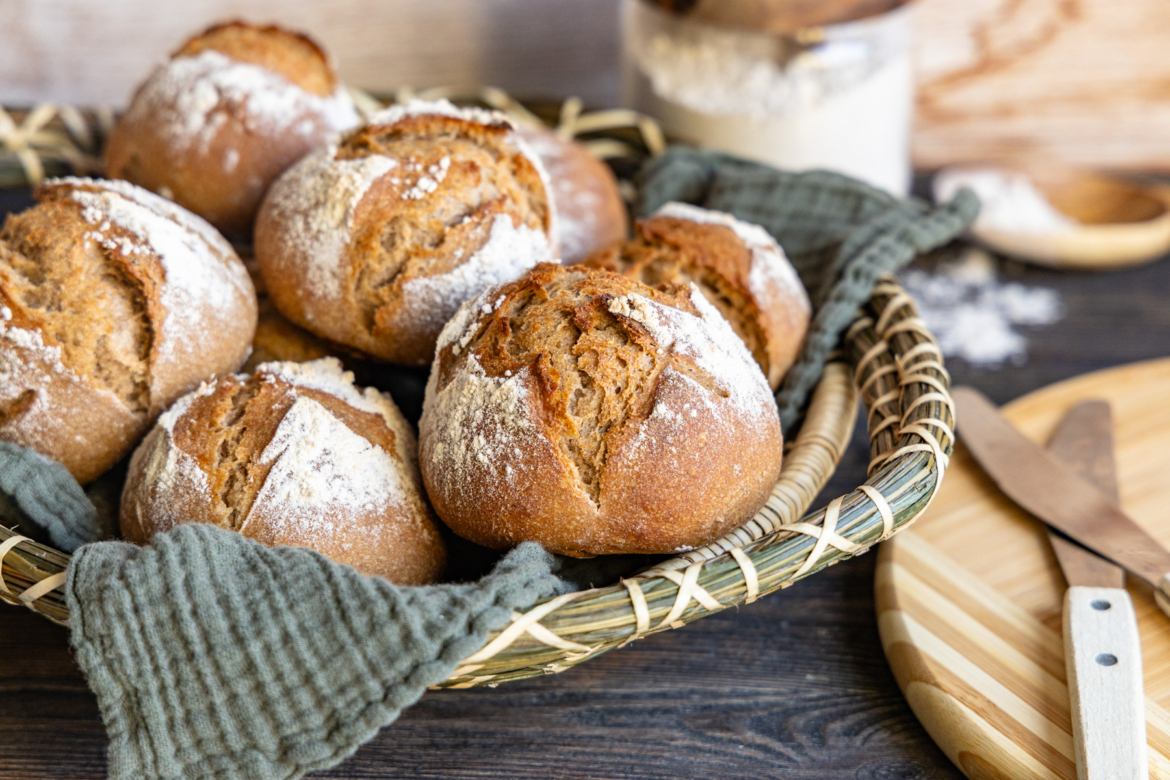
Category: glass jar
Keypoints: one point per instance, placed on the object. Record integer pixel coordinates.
(838, 96)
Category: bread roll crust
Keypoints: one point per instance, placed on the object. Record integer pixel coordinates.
(737, 266)
(233, 108)
(590, 211)
(374, 241)
(290, 455)
(114, 303)
(595, 415)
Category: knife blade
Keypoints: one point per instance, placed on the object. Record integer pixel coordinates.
(1102, 648)
(1056, 494)
(1083, 441)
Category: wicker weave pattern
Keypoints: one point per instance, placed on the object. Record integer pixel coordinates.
(898, 369)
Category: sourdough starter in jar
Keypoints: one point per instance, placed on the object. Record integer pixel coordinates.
(839, 97)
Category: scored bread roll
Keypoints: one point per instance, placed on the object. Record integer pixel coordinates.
(737, 266)
(590, 211)
(233, 108)
(593, 414)
(374, 240)
(114, 302)
(293, 454)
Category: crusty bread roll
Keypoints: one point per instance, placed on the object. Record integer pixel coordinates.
(233, 108)
(590, 210)
(291, 455)
(737, 266)
(114, 303)
(375, 240)
(594, 414)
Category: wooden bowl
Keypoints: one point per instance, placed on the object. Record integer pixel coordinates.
(1122, 222)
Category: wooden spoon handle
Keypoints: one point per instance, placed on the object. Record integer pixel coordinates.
(1104, 667)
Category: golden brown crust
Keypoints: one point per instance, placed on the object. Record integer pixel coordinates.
(375, 243)
(770, 312)
(590, 211)
(234, 108)
(223, 454)
(277, 340)
(90, 348)
(596, 415)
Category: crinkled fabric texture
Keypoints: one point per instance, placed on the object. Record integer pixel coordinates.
(213, 656)
(841, 236)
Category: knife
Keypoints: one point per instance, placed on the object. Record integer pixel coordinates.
(1058, 495)
(1101, 645)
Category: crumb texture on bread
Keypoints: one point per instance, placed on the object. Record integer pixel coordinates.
(114, 303)
(293, 454)
(737, 266)
(374, 241)
(595, 414)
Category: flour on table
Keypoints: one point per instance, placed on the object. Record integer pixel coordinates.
(974, 315)
(1010, 202)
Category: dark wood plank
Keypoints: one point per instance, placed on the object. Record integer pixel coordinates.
(794, 686)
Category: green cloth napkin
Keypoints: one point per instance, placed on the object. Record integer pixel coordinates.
(213, 656)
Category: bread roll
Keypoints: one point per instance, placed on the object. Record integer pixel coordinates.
(593, 414)
(737, 266)
(590, 211)
(291, 455)
(233, 108)
(114, 302)
(374, 241)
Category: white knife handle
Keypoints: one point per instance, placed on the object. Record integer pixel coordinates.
(1103, 663)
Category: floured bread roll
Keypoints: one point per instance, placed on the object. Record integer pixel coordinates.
(114, 302)
(737, 266)
(291, 455)
(593, 414)
(590, 210)
(233, 108)
(374, 240)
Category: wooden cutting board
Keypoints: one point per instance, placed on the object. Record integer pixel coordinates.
(969, 598)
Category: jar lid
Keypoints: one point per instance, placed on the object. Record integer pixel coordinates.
(778, 16)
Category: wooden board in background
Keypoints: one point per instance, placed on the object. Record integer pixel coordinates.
(1080, 81)
(969, 599)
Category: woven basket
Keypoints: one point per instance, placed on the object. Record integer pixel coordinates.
(887, 357)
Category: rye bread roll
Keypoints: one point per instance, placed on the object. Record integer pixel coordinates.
(293, 454)
(737, 266)
(374, 240)
(234, 107)
(113, 303)
(593, 414)
(590, 211)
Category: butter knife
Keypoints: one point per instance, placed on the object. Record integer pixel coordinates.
(1102, 648)
(1058, 495)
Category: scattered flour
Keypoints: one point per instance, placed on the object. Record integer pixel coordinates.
(195, 96)
(973, 314)
(1011, 203)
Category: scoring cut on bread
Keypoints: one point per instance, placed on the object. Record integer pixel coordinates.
(293, 454)
(595, 415)
(737, 266)
(115, 302)
(374, 241)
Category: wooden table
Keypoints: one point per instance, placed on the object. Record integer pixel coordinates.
(793, 686)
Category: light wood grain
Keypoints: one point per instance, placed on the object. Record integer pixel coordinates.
(1103, 659)
(90, 53)
(1082, 81)
(970, 599)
